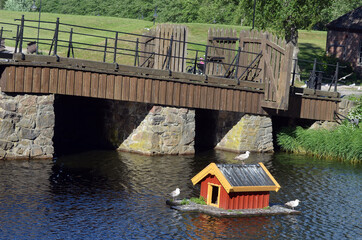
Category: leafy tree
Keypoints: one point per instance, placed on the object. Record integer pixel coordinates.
(285, 16)
(336, 9)
(2, 4)
(18, 5)
(167, 10)
(220, 11)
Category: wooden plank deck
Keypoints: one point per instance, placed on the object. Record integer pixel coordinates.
(99, 80)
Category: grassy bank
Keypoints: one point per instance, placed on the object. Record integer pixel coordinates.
(344, 143)
(311, 43)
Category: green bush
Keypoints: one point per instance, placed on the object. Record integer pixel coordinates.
(343, 143)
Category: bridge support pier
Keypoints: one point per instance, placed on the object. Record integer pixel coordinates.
(26, 126)
(162, 130)
(250, 133)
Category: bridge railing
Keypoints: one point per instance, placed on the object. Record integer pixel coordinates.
(162, 48)
(315, 73)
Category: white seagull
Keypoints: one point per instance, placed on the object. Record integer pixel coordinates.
(293, 204)
(242, 157)
(175, 193)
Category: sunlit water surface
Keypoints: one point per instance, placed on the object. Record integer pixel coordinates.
(111, 195)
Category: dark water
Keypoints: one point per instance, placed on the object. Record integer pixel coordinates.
(110, 195)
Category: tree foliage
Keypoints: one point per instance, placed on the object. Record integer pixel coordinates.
(283, 16)
(18, 5)
(2, 4)
(336, 9)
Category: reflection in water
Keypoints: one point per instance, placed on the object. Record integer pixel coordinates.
(116, 195)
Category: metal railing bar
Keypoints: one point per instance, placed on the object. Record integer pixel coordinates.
(132, 34)
(325, 64)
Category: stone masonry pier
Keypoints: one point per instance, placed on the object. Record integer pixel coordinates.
(40, 126)
(26, 126)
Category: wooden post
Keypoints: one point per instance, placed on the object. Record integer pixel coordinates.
(183, 50)
(263, 48)
(2, 42)
(294, 69)
(284, 87)
(336, 77)
(105, 50)
(17, 39)
(70, 44)
(56, 37)
(21, 34)
(136, 54)
(115, 49)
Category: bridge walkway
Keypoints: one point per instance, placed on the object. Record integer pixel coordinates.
(250, 73)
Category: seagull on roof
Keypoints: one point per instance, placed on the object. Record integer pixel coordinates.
(175, 193)
(293, 204)
(243, 156)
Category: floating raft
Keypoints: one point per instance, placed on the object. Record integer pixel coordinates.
(214, 211)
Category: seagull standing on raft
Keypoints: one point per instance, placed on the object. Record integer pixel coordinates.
(242, 157)
(293, 204)
(175, 193)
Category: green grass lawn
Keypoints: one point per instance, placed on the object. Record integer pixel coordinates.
(311, 43)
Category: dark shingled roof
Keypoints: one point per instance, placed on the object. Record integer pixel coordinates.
(350, 22)
(245, 175)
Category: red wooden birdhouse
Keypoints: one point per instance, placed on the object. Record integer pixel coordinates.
(236, 186)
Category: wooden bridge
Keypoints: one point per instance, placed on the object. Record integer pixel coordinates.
(248, 73)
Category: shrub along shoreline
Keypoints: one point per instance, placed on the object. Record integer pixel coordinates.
(343, 143)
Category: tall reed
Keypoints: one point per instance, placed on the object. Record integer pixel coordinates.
(343, 143)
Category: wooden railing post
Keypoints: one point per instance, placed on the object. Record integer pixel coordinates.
(21, 34)
(312, 77)
(1, 36)
(105, 50)
(55, 39)
(205, 60)
(70, 45)
(294, 69)
(56, 35)
(136, 55)
(17, 39)
(115, 49)
(183, 51)
(336, 77)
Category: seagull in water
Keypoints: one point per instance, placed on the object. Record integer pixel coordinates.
(293, 204)
(242, 157)
(175, 193)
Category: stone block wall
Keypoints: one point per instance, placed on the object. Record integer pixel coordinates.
(250, 133)
(345, 106)
(150, 130)
(26, 126)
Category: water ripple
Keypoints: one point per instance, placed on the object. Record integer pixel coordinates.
(110, 195)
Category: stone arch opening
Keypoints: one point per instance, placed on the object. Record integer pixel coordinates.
(79, 124)
(205, 129)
